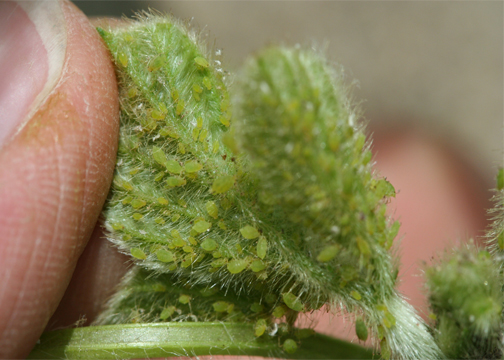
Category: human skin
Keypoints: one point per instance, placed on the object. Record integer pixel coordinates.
(58, 143)
(57, 152)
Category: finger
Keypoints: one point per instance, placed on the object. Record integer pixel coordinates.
(100, 267)
(58, 141)
(98, 272)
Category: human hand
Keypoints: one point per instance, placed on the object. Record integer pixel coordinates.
(58, 140)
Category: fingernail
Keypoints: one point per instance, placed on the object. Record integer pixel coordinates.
(32, 54)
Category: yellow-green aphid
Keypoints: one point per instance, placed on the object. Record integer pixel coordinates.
(165, 256)
(290, 346)
(123, 59)
(212, 209)
(197, 90)
(201, 226)
(279, 311)
(158, 115)
(192, 166)
(220, 306)
(262, 247)
(167, 312)
(201, 62)
(356, 295)
(180, 107)
(328, 253)
(132, 92)
(138, 253)
(174, 181)
(236, 266)
(138, 203)
(207, 83)
(209, 244)
(260, 327)
(156, 63)
(249, 232)
(292, 301)
(184, 299)
(257, 265)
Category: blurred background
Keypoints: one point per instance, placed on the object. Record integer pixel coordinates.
(433, 65)
(428, 76)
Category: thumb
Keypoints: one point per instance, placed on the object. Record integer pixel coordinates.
(58, 139)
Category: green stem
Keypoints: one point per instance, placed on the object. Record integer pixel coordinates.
(182, 339)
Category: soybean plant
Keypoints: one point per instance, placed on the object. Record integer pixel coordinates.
(245, 200)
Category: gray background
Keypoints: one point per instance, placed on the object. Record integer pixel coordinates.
(436, 66)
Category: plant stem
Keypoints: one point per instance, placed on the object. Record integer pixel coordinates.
(182, 339)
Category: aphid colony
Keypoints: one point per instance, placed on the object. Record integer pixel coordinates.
(254, 216)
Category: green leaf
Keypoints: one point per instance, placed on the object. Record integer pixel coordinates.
(500, 179)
